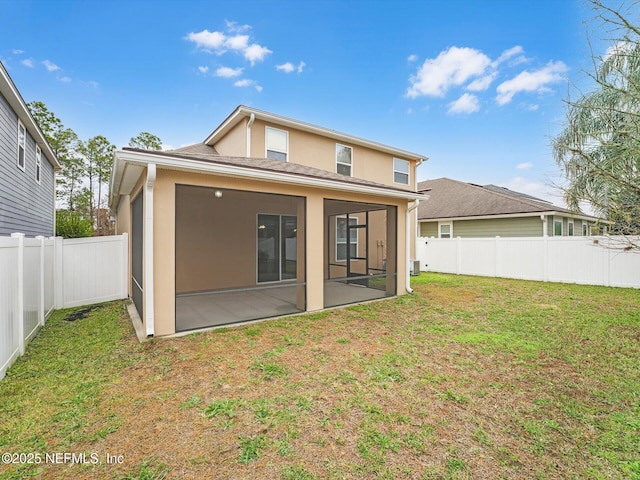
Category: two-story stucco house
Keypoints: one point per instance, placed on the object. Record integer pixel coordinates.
(268, 216)
(27, 168)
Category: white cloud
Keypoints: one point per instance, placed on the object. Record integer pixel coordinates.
(256, 53)
(621, 47)
(220, 42)
(286, 67)
(52, 67)
(412, 58)
(17, 51)
(510, 53)
(524, 166)
(237, 42)
(482, 83)
(207, 40)
(290, 67)
(226, 72)
(233, 27)
(27, 62)
(65, 79)
(245, 82)
(203, 69)
(467, 103)
(451, 67)
(536, 81)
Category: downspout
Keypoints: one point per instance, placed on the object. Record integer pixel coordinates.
(148, 250)
(408, 246)
(251, 120)
(544, 225)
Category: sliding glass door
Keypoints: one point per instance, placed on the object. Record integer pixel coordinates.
(277, 247)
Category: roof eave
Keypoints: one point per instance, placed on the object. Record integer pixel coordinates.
(122, 158)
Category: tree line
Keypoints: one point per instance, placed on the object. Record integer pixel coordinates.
(82, 186)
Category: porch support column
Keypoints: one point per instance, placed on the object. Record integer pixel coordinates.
(301, 255)
(314, 252)
(148, 250)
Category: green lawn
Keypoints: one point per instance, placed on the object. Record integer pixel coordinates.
(467, 378)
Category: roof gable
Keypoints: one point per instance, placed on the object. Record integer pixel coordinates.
(242, 112)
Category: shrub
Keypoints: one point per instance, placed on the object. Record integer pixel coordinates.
(72, 225)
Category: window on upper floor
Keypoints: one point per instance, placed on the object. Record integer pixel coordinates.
(277, 144)
(344, 156)
(400, 171)
(38, 163)
(22, 145)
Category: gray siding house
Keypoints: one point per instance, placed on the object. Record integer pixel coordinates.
(27, 168)
(459, 209)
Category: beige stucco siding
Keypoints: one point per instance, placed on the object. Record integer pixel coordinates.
(234, 143)
(320, 152)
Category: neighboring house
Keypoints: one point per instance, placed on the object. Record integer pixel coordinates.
(268, 216)
(459, 209)
(27, 168)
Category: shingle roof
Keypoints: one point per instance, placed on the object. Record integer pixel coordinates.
(208, 154)
(453, 199)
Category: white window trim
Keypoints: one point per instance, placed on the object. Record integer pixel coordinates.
(561, 228)
(356, 243)
(571, 228)
(440, 224)
(340, 163)
(408, 174)
(38, 174)
(586, 229)
(266, 143)
(24, 147)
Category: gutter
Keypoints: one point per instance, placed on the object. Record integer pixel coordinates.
(148, 250)
(252, 119)
(408, 235)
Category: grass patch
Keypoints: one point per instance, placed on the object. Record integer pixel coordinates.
(467, 378)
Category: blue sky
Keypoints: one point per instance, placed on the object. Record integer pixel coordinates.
(477, 86)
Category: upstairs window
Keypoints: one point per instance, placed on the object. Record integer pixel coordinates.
(344, 155)
(22, 145)
(400, 171)
(277, 143)
(38, 163)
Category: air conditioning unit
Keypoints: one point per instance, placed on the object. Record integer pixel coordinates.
(414, 268)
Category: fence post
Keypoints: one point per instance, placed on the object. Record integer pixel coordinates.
(458, 255)
(124, 278)
(498, 270)
(40, 238)
(20, 302)
(58, 273)
(545, 258)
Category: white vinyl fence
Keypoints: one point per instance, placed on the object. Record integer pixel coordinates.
(39, 275)
(585, 260)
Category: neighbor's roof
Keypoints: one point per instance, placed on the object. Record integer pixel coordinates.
(12, 95)
(242, 112)
(450, 199)
(200, 158)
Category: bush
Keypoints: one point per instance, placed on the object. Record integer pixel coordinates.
(72, 225)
